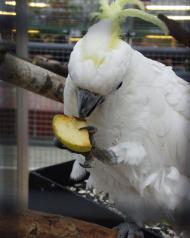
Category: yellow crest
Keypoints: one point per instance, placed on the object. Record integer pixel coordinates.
(116, 12)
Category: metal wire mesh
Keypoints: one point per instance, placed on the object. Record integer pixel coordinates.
(41, 111)
(8, 149)
(59, 52)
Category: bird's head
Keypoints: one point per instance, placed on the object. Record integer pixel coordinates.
(96, 68)
(99, 61)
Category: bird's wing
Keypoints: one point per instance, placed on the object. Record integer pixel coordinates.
(177, 95)
(172, 125)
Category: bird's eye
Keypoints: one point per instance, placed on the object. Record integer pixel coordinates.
(119, 85)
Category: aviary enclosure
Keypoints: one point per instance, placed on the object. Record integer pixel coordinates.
(38, 197)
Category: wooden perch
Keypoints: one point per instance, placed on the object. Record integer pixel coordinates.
(31, 77)
(30, 224)
(176, 30)
(53, 66)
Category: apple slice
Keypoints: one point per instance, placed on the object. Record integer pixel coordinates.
(66, 130)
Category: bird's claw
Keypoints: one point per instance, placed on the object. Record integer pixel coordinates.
(88, 160)
(91, 130)
(132, 230)
(106, 156)
(129, 230)
(86, 165)
(88, 157)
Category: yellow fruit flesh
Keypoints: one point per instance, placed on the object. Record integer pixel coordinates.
(66, 130)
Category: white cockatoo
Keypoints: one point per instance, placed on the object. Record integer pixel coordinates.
(141, 110)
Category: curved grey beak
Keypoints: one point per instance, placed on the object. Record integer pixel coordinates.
(87, 102)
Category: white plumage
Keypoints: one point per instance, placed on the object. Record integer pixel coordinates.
(146, 123)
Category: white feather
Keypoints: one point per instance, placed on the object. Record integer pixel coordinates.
(84, 72)
(98, 37)
(146, 123)
(78, 172)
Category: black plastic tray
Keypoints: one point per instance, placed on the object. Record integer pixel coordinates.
(48, 193)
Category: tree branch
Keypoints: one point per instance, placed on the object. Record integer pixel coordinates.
(51, 65)
(176, 30)
(31, 77)
(30, 224)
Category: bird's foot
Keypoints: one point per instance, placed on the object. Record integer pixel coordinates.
(87, 163)
(88, 156)
(105, 156)
(91, 130)
(129, 230)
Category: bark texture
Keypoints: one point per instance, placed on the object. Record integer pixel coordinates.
(31, 77)
(176, 30)
(55, 67)
(30, 224)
